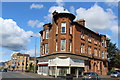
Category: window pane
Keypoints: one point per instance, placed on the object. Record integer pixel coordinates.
(46, 48)
(56, 45)
(102, 54)
(47, 31)
(63, 27)
(63, 44)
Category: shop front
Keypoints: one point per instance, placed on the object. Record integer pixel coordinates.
(60, 66)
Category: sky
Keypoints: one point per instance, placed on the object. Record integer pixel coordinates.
(21, 20)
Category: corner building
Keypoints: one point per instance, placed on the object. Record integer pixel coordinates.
(68, 47)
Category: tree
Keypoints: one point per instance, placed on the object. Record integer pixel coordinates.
(115, 61)
(113, 55)
(31, 68)
(111, 49)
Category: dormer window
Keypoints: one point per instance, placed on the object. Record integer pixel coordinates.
(63, 27)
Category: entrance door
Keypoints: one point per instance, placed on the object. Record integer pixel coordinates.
(75, 69)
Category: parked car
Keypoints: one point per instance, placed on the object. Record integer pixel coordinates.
(90, 76)
(115, 74)
(3, 70)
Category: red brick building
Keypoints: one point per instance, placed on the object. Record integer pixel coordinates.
(71, 39)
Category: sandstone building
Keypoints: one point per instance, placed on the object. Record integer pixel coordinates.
(20, 62)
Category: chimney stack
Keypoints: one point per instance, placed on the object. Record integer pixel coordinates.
(81, 22)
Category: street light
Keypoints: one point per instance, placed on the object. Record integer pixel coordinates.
(34, 56)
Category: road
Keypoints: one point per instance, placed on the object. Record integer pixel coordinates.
(24, 76)
(32, 76)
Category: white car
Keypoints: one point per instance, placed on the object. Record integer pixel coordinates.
(115, 74)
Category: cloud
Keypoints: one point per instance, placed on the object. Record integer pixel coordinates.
(59, 9)
(40, 24)
(35, 23)
(3, 60)
(112, 3)
(97, 18)
(31, 52)
(12, 36)
(60, 2)
(36, 35)
(115, 29)
(3, 53)
(36, 6)
(115, 34)
(72, 9)
(108, 36)
(111, 0)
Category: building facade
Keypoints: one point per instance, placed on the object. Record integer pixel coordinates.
(70, 42)
(19, 62)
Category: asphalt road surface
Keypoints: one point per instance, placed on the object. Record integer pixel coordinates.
(24, 76)
(32, 76)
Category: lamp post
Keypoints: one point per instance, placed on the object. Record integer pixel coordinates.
(35, 56)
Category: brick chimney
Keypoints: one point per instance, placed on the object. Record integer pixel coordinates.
(81, 21)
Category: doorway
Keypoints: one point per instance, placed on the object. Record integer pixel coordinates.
(75, 69)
